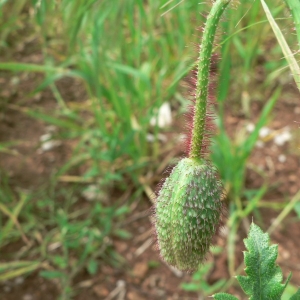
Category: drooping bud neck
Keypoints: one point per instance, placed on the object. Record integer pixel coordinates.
(199, 118)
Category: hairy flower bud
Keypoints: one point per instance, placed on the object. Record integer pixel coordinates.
(187, 213)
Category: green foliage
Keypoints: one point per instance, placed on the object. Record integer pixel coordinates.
(289, 56)
(264, 277)
(225, 152)
(296, 296)
(9, 14)
(71, 239)
(224, 296)
(294, 6)
(235, 153)
(108, 51)
(17, 268)
(123, 87)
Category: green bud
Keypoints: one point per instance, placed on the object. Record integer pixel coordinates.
(187, 213)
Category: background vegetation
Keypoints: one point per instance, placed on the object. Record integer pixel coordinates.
(94, 75)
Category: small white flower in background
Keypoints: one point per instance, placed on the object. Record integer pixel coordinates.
(93, 192)
(45, 137)
(164, 116)
(264, 131)
(151, 138)
(47, 143)
(54, 246)
(259, 144)
(282, 158)
(283, 137)
(250, 127)
(90, 193)
(51, 128)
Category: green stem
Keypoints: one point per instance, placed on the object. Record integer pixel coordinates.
(203, 74)
(285, 212)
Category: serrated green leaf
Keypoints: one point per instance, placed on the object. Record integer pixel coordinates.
(264, 277)
(224, 296)
(245, 283)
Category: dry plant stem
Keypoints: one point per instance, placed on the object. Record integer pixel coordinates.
(203, 75)
(285, 212)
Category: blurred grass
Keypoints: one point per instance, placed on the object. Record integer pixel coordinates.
(294, 6)
(128, 57)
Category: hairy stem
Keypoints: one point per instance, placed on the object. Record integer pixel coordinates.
(202, 76)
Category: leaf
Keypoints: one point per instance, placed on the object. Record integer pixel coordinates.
(297, 209)
(16, 264)
(124, 234)
(289, 56)
(59, 122)
(9, 274)
(52, 274)
(249, 144)
(122, 210)
(296, 296)
(16, 67)
(60, 261)
(190, 287)
(92, 267)
(264, 276)
(289, 292)
(224, 296)
(13, 218)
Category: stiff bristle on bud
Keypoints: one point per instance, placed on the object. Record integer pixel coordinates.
(187, 213)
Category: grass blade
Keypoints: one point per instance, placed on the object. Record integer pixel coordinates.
(250, 142)
(11, 66)
(289, 56)
(19, 272)
(294, 6)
